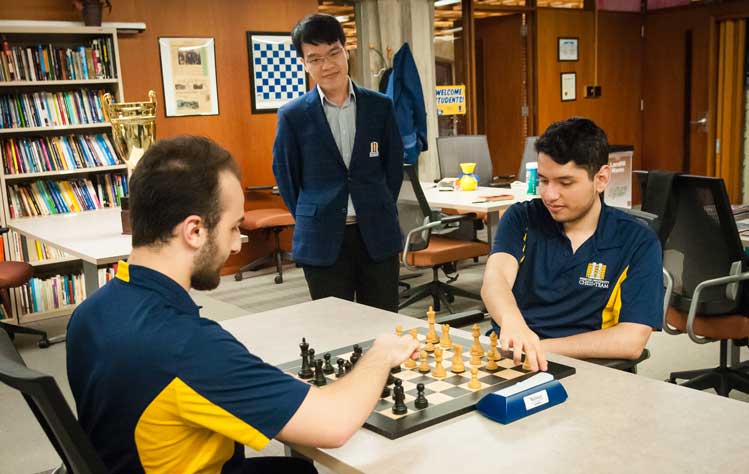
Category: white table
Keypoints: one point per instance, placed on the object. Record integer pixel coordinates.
(613, 422)
(93, 236)
(472, 201)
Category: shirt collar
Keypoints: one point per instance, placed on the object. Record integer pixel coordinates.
(606, 234)
(152, 280)
(351, 95)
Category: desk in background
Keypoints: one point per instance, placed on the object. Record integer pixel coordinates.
(613, 421)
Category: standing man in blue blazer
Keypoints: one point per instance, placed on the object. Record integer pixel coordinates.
(338, 162)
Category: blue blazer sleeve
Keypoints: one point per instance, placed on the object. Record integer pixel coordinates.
(394, 157)
(287, 163)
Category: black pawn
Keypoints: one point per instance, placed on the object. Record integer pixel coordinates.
(385, 392)
(348, 366)
(395, 369)
(328, 367)
(341, 371)
(319, 375)
(421, 401)
(390, 380)
(399, 395)
(356, 355)
(306, 371)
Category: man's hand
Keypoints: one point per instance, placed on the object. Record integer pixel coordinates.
(396, 349)
(516, 335)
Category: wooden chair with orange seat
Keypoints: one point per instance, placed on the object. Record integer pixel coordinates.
(424, 249)
(705, 260)
(269, 221)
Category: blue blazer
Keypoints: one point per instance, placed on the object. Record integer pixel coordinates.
(404, 87)
(315, 183)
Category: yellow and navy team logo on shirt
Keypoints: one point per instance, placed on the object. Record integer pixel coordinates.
(594, 276)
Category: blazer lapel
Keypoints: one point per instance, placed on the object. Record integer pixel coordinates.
(317, 115)
(359, 136)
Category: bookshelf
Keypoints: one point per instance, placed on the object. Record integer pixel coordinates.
(57, 149)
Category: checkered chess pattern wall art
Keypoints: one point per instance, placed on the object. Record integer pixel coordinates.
(277, 75)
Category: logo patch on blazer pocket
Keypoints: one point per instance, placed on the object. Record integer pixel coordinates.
(374, 149)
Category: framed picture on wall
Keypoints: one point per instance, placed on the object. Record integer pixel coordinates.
(188, 71)
(568, 86)
(567, 49)
(277, 75)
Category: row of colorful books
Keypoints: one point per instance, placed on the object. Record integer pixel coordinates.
(47, 294)
(32, 250)
(46, 197)
(45, 62)
(45, 109)
(40, 154)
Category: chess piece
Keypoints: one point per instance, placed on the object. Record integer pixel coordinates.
(390, 380)
(493, 347)
(475, 360)
(399, 330)
(399, 395)
(305, 372)
(445, 341)
(474, 383)
(356, 355)
(410, 363)
(432, 336)
(347, 365)
(429, 347)
(491, 364)
(341, 371)
(439, 371)
(395, 369)
(319, 375)
(457, 366)
(397, 383)
(328, 367)
(526, 364)
(476, 348)
(421, 401)
(385, 392)
(424, 366)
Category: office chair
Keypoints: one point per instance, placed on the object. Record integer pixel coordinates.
(425, 249)
(705, 260)
(529, 155)
(51, 411)
(13, 275)
(269, 221)
(452, 151)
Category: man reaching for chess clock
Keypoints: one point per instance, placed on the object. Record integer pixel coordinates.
(569, 274)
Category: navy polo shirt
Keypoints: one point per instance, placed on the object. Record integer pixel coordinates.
(160, 389)
(615, 276)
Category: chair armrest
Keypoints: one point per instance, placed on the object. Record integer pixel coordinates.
(668, 282)
(431, 225)
(720, 281)
(4, 230)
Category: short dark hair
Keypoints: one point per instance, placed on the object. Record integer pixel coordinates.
(575, 139)
(318, 28)
(176, 178)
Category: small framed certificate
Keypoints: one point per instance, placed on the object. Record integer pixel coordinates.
(567, 49)
(568, 86)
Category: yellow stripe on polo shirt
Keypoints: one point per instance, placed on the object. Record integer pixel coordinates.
(610, 313)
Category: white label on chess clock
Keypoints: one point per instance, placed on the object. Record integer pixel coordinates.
(536, 400)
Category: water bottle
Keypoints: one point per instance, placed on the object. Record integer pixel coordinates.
(531, 176)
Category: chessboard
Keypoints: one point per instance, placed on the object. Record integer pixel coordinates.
(448, 396)
(277, 74)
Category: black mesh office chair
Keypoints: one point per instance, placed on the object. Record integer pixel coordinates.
(704, 256)
(51, 410)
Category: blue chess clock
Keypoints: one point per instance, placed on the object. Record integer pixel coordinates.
(532, 395)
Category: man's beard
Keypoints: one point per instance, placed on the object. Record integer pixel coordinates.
(206, 274)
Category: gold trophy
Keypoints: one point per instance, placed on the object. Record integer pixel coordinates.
(133, 130)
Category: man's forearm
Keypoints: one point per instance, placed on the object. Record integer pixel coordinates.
(500, 302)
(623, 341)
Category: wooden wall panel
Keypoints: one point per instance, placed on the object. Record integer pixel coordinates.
(501, 90)
(617, 111)
(248, 137)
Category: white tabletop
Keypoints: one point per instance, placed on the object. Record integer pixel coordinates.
(467, 200)
(613, 422)
(93, 236)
